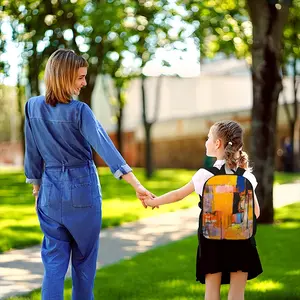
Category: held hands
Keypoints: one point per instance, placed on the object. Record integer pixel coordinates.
(149, 202)
(143, 194)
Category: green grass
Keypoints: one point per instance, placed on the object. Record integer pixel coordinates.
(281, 178)
(167, 273)
(19, 226)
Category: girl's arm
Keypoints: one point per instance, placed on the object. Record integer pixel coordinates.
(172, 196)
(256, 207)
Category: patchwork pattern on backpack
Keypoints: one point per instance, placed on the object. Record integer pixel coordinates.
(228, 208)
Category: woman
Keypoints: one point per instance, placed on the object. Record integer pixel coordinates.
(59, 134)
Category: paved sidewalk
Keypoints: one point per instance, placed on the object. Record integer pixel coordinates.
(21, 270)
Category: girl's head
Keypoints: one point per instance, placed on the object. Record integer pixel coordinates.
(225, 140)
(64, 76)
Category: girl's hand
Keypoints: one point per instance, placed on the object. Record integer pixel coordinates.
(148, 201)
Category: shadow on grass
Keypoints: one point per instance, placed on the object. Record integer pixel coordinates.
(19, 237)
(26, 229)
(168, 272)
(116, 221)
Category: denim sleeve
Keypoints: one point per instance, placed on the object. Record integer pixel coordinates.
(33, 162)
(97, 137)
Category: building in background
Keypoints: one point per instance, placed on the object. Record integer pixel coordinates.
(187, 109)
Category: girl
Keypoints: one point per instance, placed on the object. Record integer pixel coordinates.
(221, 261)
(59, 134)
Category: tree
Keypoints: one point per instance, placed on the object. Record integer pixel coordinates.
(220, 27)
(117, 98)
(268, 21)
(94, 29)
(89, 28)
(291, 51)
(152, 24)
(40, 28)
(224, 26)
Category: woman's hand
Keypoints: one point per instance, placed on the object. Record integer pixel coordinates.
(35, 193)
(144, 194)
(141, 192)
(36, 198)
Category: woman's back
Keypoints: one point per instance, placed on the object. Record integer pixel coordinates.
(57, 131)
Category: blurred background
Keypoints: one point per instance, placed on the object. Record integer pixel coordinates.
(161, 72)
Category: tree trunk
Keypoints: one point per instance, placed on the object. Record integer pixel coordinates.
(295, 134)
(33, 74)
(148, 151)
(147, 127)
(268, 23)
(120, 120)
(20, 96)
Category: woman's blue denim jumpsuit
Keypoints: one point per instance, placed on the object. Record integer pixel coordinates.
(58, 157)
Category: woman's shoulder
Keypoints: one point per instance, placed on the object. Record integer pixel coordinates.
(34, 103)
(36, 99)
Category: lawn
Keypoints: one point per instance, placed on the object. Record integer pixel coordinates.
(19, 226)
(167, 273)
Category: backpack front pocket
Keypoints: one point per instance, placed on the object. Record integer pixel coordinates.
(81, 195)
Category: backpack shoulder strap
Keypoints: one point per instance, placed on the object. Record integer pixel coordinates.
(222, 170)
(239, 171)
(213, 170)
(216, 171)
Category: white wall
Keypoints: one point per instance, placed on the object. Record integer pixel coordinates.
(181, 99)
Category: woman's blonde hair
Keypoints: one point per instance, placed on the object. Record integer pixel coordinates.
(60, 75)
(231, 134)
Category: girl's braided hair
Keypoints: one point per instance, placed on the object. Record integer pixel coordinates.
(231, 134)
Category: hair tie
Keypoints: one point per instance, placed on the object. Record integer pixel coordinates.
(230, 143)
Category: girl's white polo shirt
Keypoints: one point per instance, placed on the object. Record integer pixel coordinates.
(202, 175)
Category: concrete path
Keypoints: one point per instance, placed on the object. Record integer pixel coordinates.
(22, 271)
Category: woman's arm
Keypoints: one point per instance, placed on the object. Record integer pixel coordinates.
(33, 161)
(132, 180)
(141, 192)
(98, 138)
(256, 207)
(172, 196)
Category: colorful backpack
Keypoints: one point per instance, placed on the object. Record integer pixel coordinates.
(228, 206)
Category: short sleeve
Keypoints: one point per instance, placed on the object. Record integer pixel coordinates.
(251, 178)
(199, 179)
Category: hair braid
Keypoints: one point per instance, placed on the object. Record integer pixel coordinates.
(231, 134)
